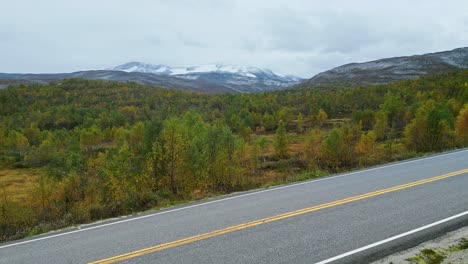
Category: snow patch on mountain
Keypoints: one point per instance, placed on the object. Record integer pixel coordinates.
(238, 78)
(393, 69)
(247, 71)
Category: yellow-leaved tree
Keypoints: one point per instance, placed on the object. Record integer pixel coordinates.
(461, 126)
(175, 142)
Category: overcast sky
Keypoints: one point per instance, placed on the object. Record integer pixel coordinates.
(301, 37)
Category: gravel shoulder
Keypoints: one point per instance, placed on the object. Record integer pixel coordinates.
(441, 243)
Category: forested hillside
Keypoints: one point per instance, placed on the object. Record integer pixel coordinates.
(97, 149)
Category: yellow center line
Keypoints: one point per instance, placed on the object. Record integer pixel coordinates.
(230, 229)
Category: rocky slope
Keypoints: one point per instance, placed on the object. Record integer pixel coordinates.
(392, 69)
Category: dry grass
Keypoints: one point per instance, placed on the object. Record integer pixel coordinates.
(18, 183)
(295, 144)
(267, 177)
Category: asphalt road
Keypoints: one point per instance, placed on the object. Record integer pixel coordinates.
(333, 225)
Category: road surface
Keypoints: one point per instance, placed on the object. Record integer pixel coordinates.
(349, 218)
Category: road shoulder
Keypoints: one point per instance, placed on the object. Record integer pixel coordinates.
(439, 244)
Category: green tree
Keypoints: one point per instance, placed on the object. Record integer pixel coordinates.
(236, 123)
(269, 122)
(430, 129)
(42, 155)
(247, 118)
(300, 123)
(175, 142)
(136, 138)
(90, 139)
(156, 162)
(394, 108)
(381, 125)
(17, 143)
(263, 143)
(338, 146)
(332, 148)
(245, 133)
(285, 114)
(365, 118)
(33, 134)
(281, 141)
(151, 133)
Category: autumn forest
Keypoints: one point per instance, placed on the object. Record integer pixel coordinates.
(88, 150)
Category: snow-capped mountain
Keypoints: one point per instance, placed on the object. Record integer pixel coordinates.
(392, 69)
(140, 67)
(212, 78)
(236, 78)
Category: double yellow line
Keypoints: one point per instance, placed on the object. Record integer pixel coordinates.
(262, 221)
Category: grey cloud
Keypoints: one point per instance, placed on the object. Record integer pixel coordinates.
(7, 36)
(327, 32)
(288, 30)
(192, 42)
(346, 34)
(300, 37)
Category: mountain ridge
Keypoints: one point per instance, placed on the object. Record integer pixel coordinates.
(161, 69)
(239, 78)
(119, 76)
(392, 69)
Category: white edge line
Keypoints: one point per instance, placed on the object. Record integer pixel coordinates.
(391, 238)
(228, 198)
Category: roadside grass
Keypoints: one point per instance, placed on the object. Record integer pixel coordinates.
(437, 256)
(462, 245)
(428, 256)
(17, 184)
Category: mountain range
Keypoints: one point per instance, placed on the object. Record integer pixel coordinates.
(220, 78)
(236, 78)
(210, 78)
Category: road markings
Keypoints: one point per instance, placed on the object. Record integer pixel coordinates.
(391, 238)
(231, 229)
(227, 199)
